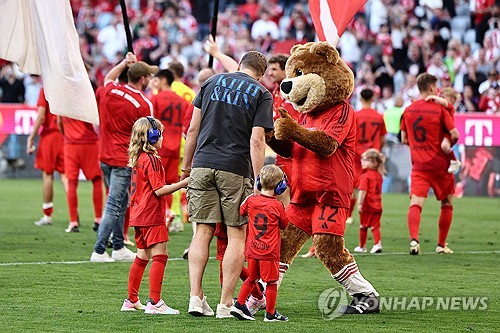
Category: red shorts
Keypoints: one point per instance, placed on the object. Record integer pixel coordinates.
(267, 270)
(358, 170)
(171, 166)
(443, 183)
(221, 240)
(83, 157)
(145, 237)
(316, 218)
(49, 155)
(370, 219)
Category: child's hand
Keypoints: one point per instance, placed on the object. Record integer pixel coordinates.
(431, 98)
(185, 182)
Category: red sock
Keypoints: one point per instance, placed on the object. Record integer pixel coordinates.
(244, 274)
(246, 289)
(156, 273)
(72, 199)
(414, 220)
(135, 277)
(351, 207)
(444, 224)
(97, 197)
(126, 223)
(376, 235)
(271, 295)
(363, 235)
(48, 208)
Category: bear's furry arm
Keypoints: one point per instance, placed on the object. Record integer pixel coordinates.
(280, 147)
(316, 141)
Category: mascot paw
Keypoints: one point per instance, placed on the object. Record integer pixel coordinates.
(285, 126)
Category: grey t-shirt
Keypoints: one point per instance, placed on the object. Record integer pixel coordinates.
(231, 105)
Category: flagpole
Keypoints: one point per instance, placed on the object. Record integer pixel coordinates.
(213, 30)
(126, 25)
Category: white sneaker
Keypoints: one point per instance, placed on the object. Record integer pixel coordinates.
(199, 307)
(360, 249)
(123, 254)
(223, 311)
(415, 247)
(44, 220)
(253, 304)
(96, 257)
(349, 220)
(160, 308)
(454, 166)
(377, 248)
(129, 306)
(443, 250)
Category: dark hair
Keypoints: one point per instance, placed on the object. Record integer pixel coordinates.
(123, 77)
(167, 75)
(367, 94)
(279, 59)
(177, 68)
(254, 61)
(425, 80)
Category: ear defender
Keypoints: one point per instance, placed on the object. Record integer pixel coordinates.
(153, 132)
(280, 188)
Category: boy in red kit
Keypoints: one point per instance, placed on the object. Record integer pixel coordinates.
(370, 199)
(447, 98)
(81, 151)
(147, 215)
(423, 128)
(49, 155)
(266, 216)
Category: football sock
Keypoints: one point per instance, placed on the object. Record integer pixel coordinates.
(135, 277)
(126, 222)
(283, 268)
(376, 235)
(97, 197)
(271, 295)
(363, 235)
(444, 224)
(246, 289)
(351, 207)
(414, 213)
(156, 273)
(72, 199)
(244, 274)
(48, 208)
(350, 277)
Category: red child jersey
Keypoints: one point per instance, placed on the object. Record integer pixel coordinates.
(425, 124)
(266, 216)
(146, 208)
(50, 121)
(370, 129)
(371, 183)
(171, 110)
(330, 179)
(77, 132)
(121, 107)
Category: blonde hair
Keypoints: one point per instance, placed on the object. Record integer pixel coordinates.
(450, 93)
(139, 140)
(270, 176)
(377, 158)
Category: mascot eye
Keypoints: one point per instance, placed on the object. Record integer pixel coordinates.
(298, 72)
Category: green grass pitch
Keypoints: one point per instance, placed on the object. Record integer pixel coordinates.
(39, 293)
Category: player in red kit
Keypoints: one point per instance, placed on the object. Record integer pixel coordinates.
(147, 215)
(266, 216)
(423, 127)
(81, 151)
(49, 155)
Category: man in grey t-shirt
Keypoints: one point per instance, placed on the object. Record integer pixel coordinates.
(225, 147)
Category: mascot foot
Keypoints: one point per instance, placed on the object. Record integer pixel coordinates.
(362, 304)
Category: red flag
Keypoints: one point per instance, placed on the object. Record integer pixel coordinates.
(330, 17)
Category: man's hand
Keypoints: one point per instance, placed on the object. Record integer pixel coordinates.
(30, 147)
(284, 126)
(130, 59)
(210, 46)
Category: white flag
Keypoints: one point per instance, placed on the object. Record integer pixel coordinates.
(40, 36)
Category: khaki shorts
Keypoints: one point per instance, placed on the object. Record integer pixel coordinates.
(215, 196)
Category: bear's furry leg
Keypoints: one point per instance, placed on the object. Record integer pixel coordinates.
(340, 263)
(292, 241)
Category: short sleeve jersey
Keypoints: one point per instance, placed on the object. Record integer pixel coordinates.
(370, 129)
(425, 124)
(183, 91)
(77, 132)
(171, 110)
(231, 105)
(121, 107)
(279, 101)
(50, 121)
(371, 183)
(329, 179)
(266, 216)
(146, 208)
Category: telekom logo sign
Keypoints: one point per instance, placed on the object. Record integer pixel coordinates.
(478, 132)
(23, 121)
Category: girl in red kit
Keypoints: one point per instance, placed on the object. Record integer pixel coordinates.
(147, 215)
(370, 199)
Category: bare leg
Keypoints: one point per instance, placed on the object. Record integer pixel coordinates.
(198, 257)
(233, 261)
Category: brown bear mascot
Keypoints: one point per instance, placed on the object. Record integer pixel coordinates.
(321, 148)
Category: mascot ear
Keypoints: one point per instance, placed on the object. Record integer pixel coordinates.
(326, 50)
(295, 47)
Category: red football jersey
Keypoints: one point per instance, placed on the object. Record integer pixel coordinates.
(50, 121)
(171, 110)
(77, 132)
(370, 129)
(371, 183)
(425, 124)
(279, 101)
(329, 180)
(121, 107)
(146, 208)
(266, 216)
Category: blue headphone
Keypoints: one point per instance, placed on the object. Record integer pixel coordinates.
(279, 188)
(153, 133)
